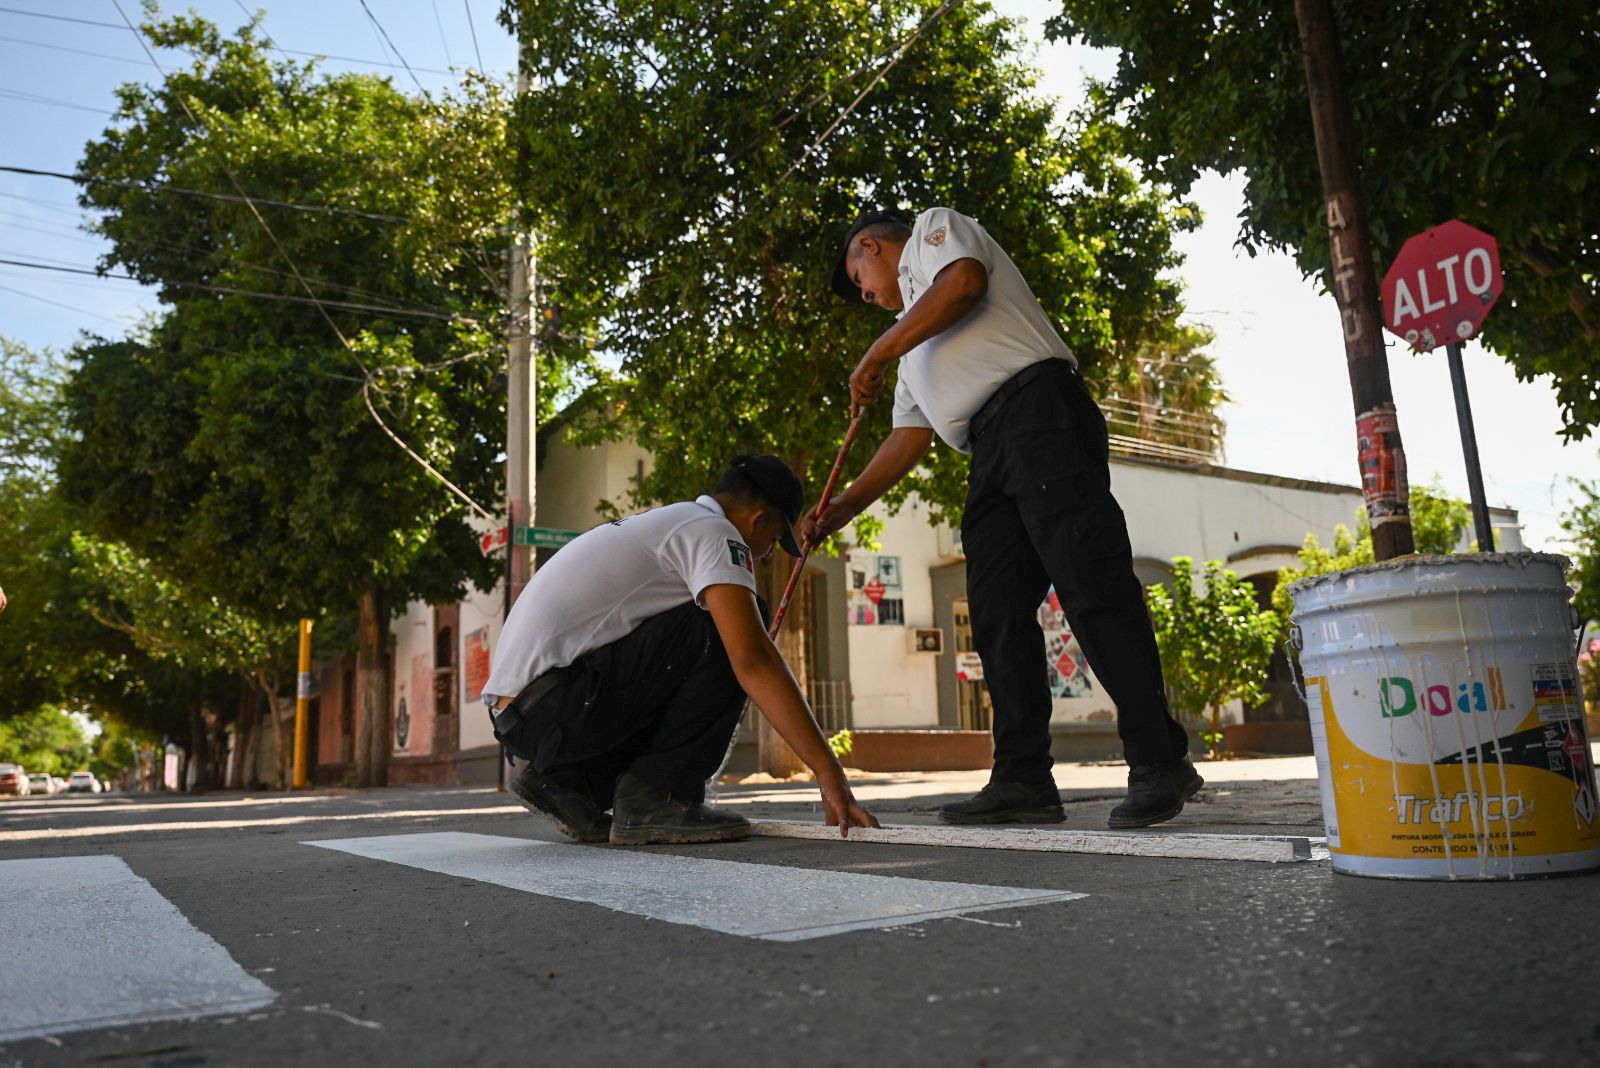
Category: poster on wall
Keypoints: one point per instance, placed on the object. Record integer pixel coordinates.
(475, 662)
(1065, 664)
(874, 596)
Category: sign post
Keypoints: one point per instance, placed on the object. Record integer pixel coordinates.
(1438, 292)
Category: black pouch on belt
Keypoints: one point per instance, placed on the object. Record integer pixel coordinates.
(517, 725)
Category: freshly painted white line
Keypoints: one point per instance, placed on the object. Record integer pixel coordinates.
(87, 943)
(754, 900)
(1046, 840)
(109, 830)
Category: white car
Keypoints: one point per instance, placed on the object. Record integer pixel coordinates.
(82, 782)
(41, 783)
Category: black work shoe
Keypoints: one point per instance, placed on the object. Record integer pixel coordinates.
(576, 815)
(644, 815)
(1008, 802)
(1185, 779)
(1152, 798)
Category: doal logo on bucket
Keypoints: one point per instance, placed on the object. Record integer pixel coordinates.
(1399, 696)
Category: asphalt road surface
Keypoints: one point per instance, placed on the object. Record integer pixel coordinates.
(450, 927)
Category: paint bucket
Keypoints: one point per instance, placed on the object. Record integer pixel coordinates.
(1447, 717)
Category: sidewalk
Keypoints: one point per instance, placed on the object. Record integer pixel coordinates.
(1276, 795)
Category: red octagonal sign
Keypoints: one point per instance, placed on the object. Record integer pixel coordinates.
(1442, 285)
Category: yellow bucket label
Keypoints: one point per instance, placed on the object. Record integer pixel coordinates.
(1453, 771)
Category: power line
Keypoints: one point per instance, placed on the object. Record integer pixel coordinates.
(473, 27)
(241, 198)
(289, 261)
(119, 26)
(390, 41)
(445, 41)
(899, 54)
(35, 98)
(59, 304)
(289, 298)
(74, 51)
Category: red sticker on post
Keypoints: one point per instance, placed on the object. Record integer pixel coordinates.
(1383, 466)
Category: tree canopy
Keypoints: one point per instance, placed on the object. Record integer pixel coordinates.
(1482, 111)
(233, 444)
(699, 164)
(1216, 642)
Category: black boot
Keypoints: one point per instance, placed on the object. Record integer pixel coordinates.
(574, 812)
(644, 815)
(1152, 798)
(1008, 802)
(1185, 779)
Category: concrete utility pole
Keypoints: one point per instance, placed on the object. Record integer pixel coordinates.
(1355, 285)
(521, 417)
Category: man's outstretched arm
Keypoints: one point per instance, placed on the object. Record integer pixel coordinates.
(761, 670)
(902, 450)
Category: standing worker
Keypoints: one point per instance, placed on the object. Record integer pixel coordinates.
(981, 365)
(626, 662)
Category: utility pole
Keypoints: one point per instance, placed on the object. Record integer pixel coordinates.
(521, 412)
(1355, 285)
(302, 711)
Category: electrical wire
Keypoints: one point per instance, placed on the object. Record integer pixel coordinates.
(241, 198)
(899, 54)
(288, 298)
(289, 261)
(290, 51)
(473, 27)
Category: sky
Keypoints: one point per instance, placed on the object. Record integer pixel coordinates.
(1278, 340)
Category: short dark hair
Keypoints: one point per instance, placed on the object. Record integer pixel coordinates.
(888, 230)
(738, 483)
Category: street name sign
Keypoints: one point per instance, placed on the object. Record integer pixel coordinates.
(1442, 285)
(549, 537)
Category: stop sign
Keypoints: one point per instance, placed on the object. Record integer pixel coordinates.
(1442, 285)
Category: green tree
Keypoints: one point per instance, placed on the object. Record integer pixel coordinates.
(1582, 525)
(197, 633)
(1482, 111)
(1438, 520)
(1216, 643)
(233, 446)
(44, 739)
(682, 154)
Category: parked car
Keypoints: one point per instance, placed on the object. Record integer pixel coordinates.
(58, 784)
(40, 783)
(82, 782)
(14, 780)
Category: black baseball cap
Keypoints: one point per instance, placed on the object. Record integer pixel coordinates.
(777, 482)
(842, 284)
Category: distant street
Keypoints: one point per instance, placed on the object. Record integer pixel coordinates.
(450, 927)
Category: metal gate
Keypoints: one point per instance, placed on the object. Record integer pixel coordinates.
(972, 695)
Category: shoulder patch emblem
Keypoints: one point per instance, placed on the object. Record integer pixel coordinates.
(740, 552)
(937, 237)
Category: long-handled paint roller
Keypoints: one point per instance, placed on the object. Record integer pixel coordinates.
(856, 414)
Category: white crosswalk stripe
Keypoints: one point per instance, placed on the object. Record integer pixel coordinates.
(753, 900)
(87, 943)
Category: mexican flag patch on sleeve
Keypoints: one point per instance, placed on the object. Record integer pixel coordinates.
(741, 555)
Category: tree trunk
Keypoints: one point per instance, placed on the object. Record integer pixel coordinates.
(773, 754)
(197, 749)
(251, 742)
(372, 690)
(1215, 744)
(268, 681)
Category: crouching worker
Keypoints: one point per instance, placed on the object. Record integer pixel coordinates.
(627, 659)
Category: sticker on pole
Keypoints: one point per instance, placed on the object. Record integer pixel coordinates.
(1440, 288)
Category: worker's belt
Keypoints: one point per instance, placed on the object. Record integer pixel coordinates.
(985, 416)
(516, 710)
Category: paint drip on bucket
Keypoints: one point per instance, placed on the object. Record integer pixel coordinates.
(1447, 718)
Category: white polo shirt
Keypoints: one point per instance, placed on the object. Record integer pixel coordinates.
(607, 581)
(945, 380)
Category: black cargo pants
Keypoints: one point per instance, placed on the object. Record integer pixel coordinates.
(661, 702)
(1040, 511)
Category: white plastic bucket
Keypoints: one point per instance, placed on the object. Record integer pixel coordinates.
(1447, 718)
